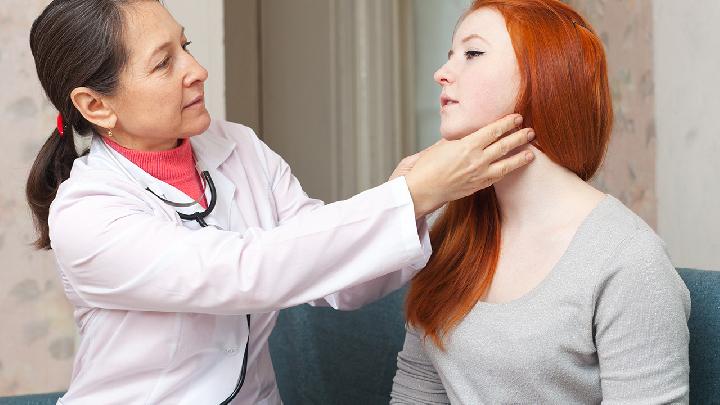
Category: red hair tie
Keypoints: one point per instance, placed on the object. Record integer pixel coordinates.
(60, 126)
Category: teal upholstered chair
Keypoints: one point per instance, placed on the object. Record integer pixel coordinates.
(323, 356)
(39, 399)
(704, 328)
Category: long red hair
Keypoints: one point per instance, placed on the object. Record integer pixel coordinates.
(565, 97)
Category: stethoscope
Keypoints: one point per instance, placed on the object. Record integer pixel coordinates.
(199, 217)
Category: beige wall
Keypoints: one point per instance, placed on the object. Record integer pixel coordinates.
(204, 26)
(37, 338)
(332, 90)
(687, 64)
(629, 170)
(434, 24)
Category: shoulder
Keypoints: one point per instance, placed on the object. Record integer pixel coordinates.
(638, 266)
(637, 246)
(617, 236)
(90, 179)
(95, 194)
(224, 133)
(224, 137)
(249, 146)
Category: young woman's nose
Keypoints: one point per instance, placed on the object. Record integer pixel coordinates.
(443, 75)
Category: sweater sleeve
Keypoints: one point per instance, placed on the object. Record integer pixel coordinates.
(416, 380)
(640, 326)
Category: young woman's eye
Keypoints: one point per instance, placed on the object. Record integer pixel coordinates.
(473, 54)
(185, 46)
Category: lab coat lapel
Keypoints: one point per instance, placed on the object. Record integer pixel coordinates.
(211, 153)
(137, 174)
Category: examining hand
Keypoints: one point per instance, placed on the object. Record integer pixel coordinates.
(450, 170)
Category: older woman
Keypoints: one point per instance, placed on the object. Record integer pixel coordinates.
(541, 289)
(178, 237)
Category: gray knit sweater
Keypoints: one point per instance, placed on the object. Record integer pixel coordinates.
(608, 324)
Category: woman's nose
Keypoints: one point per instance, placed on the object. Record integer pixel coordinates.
(196, 73)
(443, 76)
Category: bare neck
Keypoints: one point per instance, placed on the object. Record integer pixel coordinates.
(544, 196)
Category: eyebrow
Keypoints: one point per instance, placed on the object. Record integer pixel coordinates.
(474, 36)
(165, 44)
(466, 39)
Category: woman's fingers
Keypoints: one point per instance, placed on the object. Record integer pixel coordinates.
(411, 160)
(435, 145)
(507, 144)
(405, 165)
(487, 135)
(501, 168)
(450, 170)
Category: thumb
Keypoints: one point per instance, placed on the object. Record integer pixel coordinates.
(412, 159)
(433, 146)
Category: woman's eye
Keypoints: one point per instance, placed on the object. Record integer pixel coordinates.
(473, 54)
(185, 46)
(163, 64)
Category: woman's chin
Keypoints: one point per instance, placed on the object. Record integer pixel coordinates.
(199, 125)
(452, 134)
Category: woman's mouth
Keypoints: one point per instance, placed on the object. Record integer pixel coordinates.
(447, 102)
(195, 102)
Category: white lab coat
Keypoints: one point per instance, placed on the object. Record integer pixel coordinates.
(160, 303)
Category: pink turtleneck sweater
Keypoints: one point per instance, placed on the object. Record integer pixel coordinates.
(175, 166)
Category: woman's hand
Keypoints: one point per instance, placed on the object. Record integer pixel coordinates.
(450, 170)
(405, 165)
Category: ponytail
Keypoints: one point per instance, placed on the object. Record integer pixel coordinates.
(51, 167)
(75, 43)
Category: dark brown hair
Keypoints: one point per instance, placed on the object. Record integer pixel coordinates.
(75, 43)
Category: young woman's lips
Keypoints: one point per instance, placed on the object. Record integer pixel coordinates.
(195, 102)
(447, 102)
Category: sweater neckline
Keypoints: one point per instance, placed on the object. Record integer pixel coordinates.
(580, 233)
(170, 166)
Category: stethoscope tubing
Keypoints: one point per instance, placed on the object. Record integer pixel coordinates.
(200, 218)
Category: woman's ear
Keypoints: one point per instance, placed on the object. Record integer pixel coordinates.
(93, 107)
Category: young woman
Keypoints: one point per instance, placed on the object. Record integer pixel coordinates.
(540, 289)
(177, 237)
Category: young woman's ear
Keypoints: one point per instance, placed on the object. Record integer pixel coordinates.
(93, 107)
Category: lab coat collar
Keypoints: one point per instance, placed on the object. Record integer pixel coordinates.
(211, 150)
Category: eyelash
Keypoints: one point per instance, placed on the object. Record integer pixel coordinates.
(473, 54)
(165, 61)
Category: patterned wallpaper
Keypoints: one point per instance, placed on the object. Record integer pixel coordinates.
(625, 27)
(37, 339)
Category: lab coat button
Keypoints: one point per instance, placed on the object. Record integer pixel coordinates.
(231, 351)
